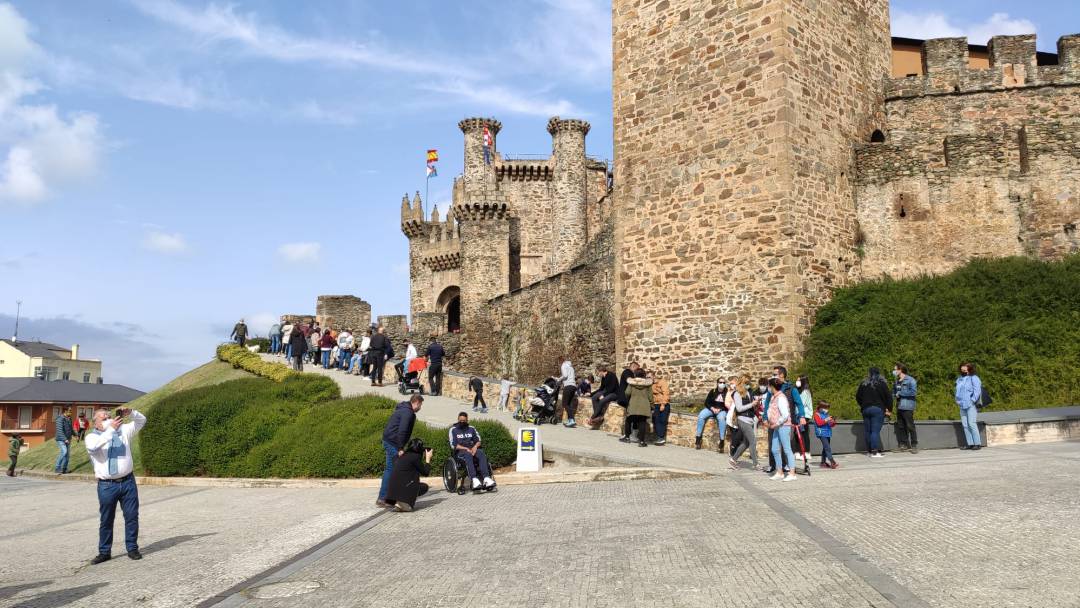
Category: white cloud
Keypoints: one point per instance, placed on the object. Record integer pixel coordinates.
(40, 148)
(164, 242)
(939, 25)
(582, 50)
(300, 252)
(222, 23)
(572, 38)
(486, 98)
(15, 44)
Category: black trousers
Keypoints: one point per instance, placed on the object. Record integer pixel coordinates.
(600, 402)
(479, 398)
(641, 423)
(377, 364)
(905, 428)
(435, 378)
(569, 403)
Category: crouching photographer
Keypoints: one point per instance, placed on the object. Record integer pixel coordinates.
(405, 485)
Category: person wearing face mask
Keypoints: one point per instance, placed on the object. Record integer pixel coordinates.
(969, 398)
(715, 410)
(466, 443)
(802, 384)
(745, 417)
(798, 414)
(904, 391)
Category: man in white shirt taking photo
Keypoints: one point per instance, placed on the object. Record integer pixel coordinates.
(109, 445)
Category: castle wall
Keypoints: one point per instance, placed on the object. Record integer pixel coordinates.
(343, 312)
(734, 125)
(976, 163)
(532, 328)
(527, 187)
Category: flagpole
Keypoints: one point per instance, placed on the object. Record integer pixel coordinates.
(427, 185)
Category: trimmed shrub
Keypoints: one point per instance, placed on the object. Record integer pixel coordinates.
(298, 428)
(1016, 319)
(242, 358)
(344, 439)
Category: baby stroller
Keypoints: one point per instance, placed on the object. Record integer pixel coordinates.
(542, 406)
(410, 381)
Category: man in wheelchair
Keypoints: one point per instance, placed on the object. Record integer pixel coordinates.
(465, 442)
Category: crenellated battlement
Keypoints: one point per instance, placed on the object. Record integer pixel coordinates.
(469, 125)
(1013, 63)
(556, 125)
(412, 217)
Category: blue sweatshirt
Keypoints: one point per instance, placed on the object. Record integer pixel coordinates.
(968, 391)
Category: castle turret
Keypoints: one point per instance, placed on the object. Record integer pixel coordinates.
(479, 174)
(569, 188)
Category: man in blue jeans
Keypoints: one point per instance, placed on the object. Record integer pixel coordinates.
(109, 446)
(396, 434)
(64, 431)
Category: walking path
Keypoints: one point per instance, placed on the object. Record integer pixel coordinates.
(599, 445)
(580, 441)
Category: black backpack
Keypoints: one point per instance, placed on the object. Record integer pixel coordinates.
(984, 399)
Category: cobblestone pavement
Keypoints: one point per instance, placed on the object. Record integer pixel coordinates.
(195, 541)
(956, 529)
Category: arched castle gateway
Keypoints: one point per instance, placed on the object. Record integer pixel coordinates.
(784, 150)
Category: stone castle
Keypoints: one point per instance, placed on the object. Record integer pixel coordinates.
(766, 153)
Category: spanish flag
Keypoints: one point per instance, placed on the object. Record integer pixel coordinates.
(432, 156)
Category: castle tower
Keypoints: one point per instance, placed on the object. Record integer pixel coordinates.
(418, 232)
(479, 174)
(569, 188)
(734, 133)
(483, 216)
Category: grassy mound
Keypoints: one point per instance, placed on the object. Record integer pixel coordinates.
(258, 428)
(43, 457)
(1016, 319)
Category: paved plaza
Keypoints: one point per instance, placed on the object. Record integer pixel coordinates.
(949, 529)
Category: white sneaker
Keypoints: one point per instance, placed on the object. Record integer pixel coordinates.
(789, 477)
(475, 483)
(488, 482)
(778, 476)
(799, 456)
(878, 455)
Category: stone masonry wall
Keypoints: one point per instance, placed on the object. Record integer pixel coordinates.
(343, 312)
(976, 163)
(532, 328)
(734, 130)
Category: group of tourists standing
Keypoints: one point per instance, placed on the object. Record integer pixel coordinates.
(787, 409)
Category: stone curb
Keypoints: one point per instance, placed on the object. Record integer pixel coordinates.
(512, 479)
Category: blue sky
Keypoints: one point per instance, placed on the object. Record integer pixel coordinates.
(167, 167)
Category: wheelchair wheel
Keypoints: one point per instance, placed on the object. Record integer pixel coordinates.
(450, 475)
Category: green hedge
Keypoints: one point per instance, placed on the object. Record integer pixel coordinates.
(1016, 319)
(258, 428)
(244, 359)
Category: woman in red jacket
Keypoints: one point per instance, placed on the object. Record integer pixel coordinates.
(326, 344)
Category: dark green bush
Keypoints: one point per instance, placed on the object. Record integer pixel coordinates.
(1016, 319)
(200, 431)
(344, 439)
(297, 428)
